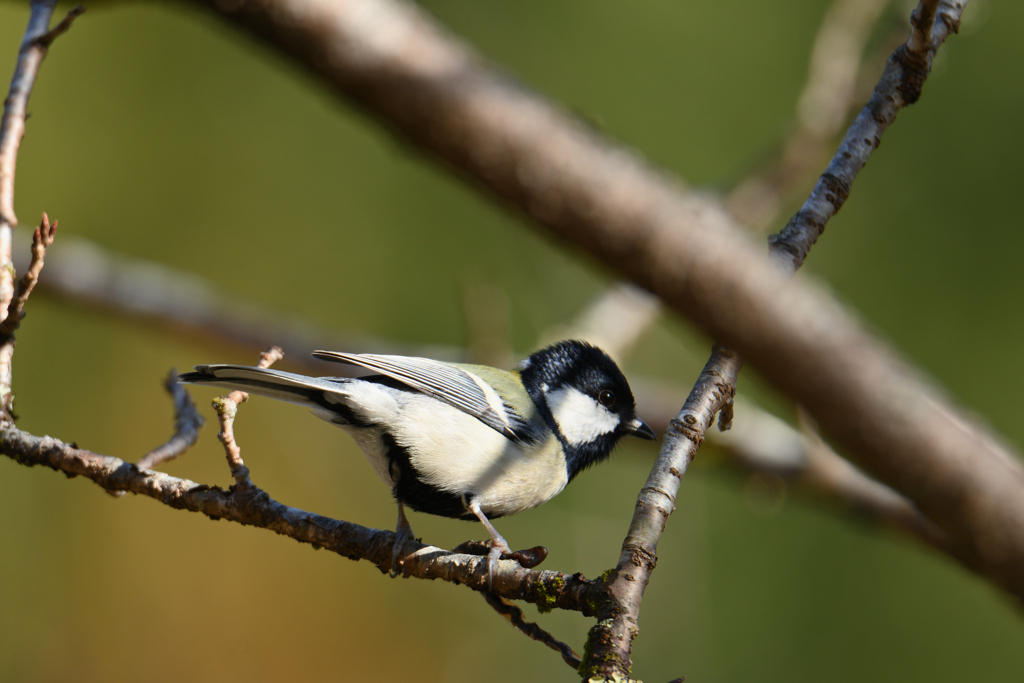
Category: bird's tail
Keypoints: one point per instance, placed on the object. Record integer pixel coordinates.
(284, 386)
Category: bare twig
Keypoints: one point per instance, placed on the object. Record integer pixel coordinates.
(611, 639)
(899, 86)
(12, 129)
(187, 422)
(42, 238)
(34, 46)
(515, 616)
(227, 408)
(827, 98)
(270, 356)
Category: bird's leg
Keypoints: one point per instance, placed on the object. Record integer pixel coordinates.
(403, 533)
(499, 545)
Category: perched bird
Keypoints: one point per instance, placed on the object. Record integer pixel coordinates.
(464, 441)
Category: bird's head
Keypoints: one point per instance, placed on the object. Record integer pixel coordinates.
(584, 398)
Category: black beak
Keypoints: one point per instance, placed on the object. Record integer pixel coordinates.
(639, 428)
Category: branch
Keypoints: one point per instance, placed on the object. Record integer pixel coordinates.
(42, 238)
(187, 422)
(611, 640)
(395, 62)
(250, 505)
(227, 407)
(34, 47)
(516, 617)
(900, 85)
(827, 98)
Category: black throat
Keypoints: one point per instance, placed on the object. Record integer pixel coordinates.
(545, 372)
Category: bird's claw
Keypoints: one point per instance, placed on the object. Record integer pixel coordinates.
(498, 548)
(401, 536)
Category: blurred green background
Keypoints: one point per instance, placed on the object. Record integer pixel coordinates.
(160, 133)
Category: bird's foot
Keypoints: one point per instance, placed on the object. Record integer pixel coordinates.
(403, 533)
(499, 547)
(401, 536)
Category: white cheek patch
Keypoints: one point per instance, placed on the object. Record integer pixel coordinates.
(579, 417)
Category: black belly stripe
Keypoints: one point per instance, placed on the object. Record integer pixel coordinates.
(417, 494)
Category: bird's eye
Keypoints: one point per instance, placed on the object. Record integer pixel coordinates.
(606, 398)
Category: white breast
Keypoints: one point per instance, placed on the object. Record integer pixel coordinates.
(453, 451)
(457, 453)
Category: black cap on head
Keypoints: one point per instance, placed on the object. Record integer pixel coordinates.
(581, 365)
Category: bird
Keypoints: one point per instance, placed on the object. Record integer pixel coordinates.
(459, 440)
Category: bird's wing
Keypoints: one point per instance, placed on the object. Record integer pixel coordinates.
(457, 386)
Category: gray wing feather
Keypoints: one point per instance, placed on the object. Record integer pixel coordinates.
(442, 381)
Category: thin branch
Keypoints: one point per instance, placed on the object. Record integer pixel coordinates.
(515, 616)
(12, 126)
(42, 238)
(899, 86)
(46, 40)
(227, 408)
(611, 639)
(251, 506)
(34, 46)
(828, 96)
(187, 422)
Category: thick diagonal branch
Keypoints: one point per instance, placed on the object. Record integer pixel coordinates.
(436, 93)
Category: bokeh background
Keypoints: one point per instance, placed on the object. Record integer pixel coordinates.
(158, 132)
